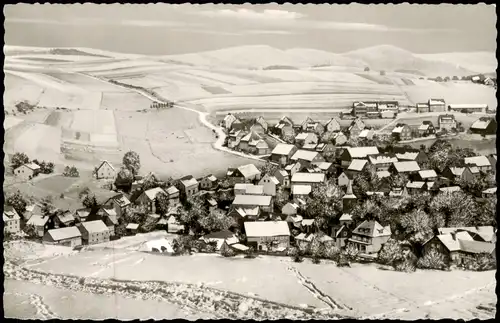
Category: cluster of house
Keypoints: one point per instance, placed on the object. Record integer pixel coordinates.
(439, 105)
(374, 109)
(483, 126)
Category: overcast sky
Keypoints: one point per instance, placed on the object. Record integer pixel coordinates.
(162, 29)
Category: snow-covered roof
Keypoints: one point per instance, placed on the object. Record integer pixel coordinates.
(480, 124)
(65, 233)
(189, 182)
(407, 166)
(477, 161)
(301, 189)
(450, 189)
(362, 152)
(258, 200)
(38, 220)
(249, 170)
(374, 229)
(132, 226)
(382, 159)
(407, 155)
(282, 149)
(308, 177)
(427, 173)
(266, 229)
(492, 190)
(398, 129)
(416, 184)
(304, 135)
(357, 164)
(95, 226)
(305, 155)
(9, 213)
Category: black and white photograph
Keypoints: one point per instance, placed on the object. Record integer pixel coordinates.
(253, 161)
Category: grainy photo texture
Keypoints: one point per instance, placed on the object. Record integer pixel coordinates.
(249, 161)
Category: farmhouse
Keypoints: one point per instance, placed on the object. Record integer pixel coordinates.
(422, 107)
(405, 167)
(326, 168)
(325, 148)
(119, 202)
(306, 158)
(243, 174)
(447, 121)
(208, 182)
(40, 223)
(282, 176)
(310, 125)
(415, 187)
(257, 128)
(228, 121)
(269, 183)
(481, 162)
(437, 105)
(31, 210)
(306, 138)
(250, 201)
(357, 166)
(64, 219)
(268, 235)
(301, 191)
(312, 179)
(365, 109)
(355, 128)
(426, 128)
(105, 170)
(94, 232)
(173, 195)
(234, 138)
(282, 153)
(344, 179)
(484, 126)
(11, 220)
(369, 236)
(188, 186)
(456, 174)
(401, 132)
(81, 215)
(332, 125)
(248, 189)
(351, 153)
(109, 217)
(241, 215)
(70, 237)
(427, 175)
(27, 171)
(458, 246)
(290, 209)
(294, 168)
(468, 108)
(248, 140)
(382, 162)
(262, 122)
(148, 199)
(484, 233)
(284, 128)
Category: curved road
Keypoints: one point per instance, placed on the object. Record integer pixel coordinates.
(202, 116)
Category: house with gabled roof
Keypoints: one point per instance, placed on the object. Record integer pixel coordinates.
(456, 174)
(69, 236)
(64, 219)
(269, 183)
(355, 128)
(283, 177)
(307, 158)
(481, 162)
(268, 234)
(228, 121)
(382, 162)
(437, 105)
(415, 187)
(189, 186)
(427, 175)
(332, 125)
(120, 203)
(290, 208)
(426, 128)
(339, 138)
(447, 121)
(148, 199)
(301, 191)
(257, 128)
(105, 170)
(422, 107)
(357, 166)
(294, 168)
(313, 126)
(264, 202)
(484, 126)
(27, 171)
(312, 179)
(246, 141)
(11, 220)
(304, 138)
(108, 215)
(94, 232)
(369, 236)
(401, 132)
(237, 125)
(344, 178)
(40, 223)
(284, 128)
(489, 192)
(260, 120)
(208, 182)
(282, 153)
(417, 156)
(405, 167)
(234, 138)
(351, 153)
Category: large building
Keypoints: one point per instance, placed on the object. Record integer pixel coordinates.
(70, 237)
(369, 236)
(11, 220)
(484, 126)
(437, 105)
(264, 235)
(94, 232)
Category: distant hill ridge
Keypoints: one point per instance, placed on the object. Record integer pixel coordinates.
(382, 57)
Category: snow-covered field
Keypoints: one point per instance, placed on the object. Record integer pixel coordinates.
(362, 291)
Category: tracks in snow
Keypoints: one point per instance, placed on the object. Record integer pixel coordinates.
(42, 309)
(316, 292)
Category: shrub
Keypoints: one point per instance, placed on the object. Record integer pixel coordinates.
(316, 260)
(390, 253)
(332, 252)
(433, 259)
(350, 253)
(227, 251)
(480, 262)
(71, 171)
(298, 258)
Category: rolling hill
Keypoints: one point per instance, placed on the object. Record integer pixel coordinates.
(480, 62)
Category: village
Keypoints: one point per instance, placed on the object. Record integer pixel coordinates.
(325, 192)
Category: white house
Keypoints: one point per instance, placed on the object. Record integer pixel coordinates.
(27, 171)
(105, 170)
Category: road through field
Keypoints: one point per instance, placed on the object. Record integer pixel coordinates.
(218, 144)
